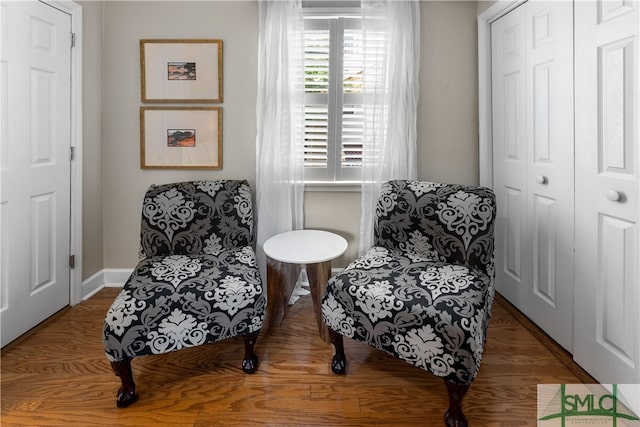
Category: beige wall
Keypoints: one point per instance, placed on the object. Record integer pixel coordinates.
(124, 183)
(447, 116)
(92, 197)
(448, 109)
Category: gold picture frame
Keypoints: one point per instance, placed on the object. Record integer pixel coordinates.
(181, 137)
(173, 70)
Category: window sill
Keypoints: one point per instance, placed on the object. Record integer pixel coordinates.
(333, 186)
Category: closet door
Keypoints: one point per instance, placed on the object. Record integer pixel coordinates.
(508, 58)
(607, 320)
(532, 96)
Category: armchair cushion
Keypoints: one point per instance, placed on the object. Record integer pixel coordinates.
(180, 301)
(445, 222)
(429, 313)
(202, 217)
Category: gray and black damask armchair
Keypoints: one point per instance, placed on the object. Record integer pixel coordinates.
(424, 292)
(196, 282)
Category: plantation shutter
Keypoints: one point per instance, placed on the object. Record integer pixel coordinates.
(333, 99)
(352, 110)
(316, 84)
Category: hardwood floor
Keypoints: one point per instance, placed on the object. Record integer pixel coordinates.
(58, 375)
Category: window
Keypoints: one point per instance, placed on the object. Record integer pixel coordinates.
(333, 98)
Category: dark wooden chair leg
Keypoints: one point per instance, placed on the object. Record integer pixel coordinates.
(454, 416)
(339, 361)
(250, 361)
(127, 392)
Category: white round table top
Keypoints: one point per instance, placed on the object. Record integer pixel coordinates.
(305, 246)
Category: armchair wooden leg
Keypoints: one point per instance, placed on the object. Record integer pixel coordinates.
(454, 416)
(250, 361)
(127, 392)
(339, 361)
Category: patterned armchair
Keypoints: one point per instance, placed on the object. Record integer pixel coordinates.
(197, 280)
(424, 292)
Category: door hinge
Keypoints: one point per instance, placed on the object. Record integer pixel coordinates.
(73, 39)
(72, 154)
(72, 261)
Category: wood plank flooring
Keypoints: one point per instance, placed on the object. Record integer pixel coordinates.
(58, 375)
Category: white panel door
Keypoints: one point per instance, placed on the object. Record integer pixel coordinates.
(607, 320)
(508, 58)
(532, 74)
(550, 171)
(35, 164)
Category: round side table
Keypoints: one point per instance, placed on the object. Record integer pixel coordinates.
(287, 253)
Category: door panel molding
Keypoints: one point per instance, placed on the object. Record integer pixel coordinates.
(494, 12)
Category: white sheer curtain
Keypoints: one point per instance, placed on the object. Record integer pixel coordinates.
(391, 36)
(280, 120)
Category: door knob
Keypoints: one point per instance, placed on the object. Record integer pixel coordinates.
(540, 179)
(614, 196)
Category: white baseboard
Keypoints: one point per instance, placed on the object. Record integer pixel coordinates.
(115, 277)
(108, 278)
(92, 285)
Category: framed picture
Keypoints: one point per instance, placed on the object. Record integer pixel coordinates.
(181, 137)
(181, 70)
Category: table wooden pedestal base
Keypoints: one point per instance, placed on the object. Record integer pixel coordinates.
(281, 280)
